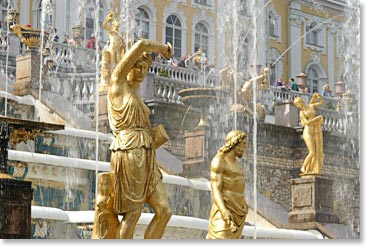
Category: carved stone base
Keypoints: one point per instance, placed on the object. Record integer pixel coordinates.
(286, 114)
(15, 209)
(103, 123)
(312, 201)
(27, 73)
(196, 153)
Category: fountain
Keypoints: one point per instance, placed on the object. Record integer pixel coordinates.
(63, 166)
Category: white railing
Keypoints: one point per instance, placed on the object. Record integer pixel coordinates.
(77, 88)
(77, 58)
(334, 121)
(185, 75)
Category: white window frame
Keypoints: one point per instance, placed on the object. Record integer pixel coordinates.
(210, 5)
(202, 34)
(174, 28)
(141, 20)
(321, 36)
(173, 9)
(149, 7)
(208, 21)
(277, 35)
(37, 14)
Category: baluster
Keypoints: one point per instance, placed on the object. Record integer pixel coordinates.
(165, 91)
(84, 91)
(159, 90)
(169, 93)
(77, 95)
(91, 92)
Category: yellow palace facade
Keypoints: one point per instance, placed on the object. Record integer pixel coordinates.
(296, 36)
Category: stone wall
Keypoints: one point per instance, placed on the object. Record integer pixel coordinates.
(280, 154)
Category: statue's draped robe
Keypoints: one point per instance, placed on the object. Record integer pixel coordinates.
(133, 162)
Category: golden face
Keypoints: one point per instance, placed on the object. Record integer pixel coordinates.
(115, 24)
(240, 149)
(138, 72)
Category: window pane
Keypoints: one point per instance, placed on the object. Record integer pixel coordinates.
(169, 39)
(170, 20)
(177, 33)
(169, 31)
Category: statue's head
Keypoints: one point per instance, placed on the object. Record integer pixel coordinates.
(140, 69)
(299, 102)
(235, 140)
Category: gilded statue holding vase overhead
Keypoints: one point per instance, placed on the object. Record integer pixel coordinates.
(312, 134)
(134, 169)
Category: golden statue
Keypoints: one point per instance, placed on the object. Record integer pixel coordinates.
(105, 219)
(137, 178)
(229, 209)
(247, 93)
(116, 48)
(312, 134)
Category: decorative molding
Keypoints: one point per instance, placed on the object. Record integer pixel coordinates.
(210, 7)
(296, 20)
(315, 57)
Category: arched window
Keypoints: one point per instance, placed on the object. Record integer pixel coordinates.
(37, 13)
(272, 26)
(142, 24)
(313, 80)
(90, 18)
(201, 38)
(312, 34)
(174, 34)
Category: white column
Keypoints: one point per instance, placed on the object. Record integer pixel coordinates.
(262, 46)
(296, 44)
(25, 6)
(331, 58)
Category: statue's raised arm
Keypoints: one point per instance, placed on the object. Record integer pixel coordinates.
(136, 53)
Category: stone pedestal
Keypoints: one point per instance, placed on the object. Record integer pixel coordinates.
(286, 114)
(312, 201)
(15, 209)
(196, 154)
(103, 123)
(27, 73)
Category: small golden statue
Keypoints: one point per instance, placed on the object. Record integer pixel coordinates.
(229, 209)
(247, 92)
(116, 48)
(137, 179)
(312, 134)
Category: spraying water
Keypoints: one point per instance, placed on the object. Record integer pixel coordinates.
(97, 64)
